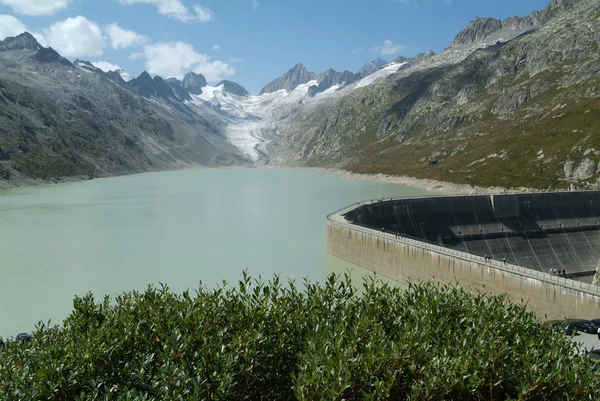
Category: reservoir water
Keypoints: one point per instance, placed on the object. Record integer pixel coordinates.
(116, 234)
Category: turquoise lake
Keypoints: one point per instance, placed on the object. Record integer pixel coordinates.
(116, 234)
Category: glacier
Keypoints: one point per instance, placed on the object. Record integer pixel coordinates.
(249, 122)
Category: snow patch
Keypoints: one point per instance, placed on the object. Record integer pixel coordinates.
(389, 69)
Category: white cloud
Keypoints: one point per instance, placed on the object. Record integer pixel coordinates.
(121, 38)
(203, 14)
(76, 37)
(105, 66)
(216, 47)
(36, 7)
(10, 26)
(175, 59)
(255, 4)
(388, 48)
(175, 9)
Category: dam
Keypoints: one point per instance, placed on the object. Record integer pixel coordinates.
(509, 244)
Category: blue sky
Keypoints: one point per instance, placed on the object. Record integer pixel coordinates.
(247, 41)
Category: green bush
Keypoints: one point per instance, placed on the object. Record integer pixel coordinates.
(266, 341)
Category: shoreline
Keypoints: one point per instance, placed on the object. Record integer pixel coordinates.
(442, 187)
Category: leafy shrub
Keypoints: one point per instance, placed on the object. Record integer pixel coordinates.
(315, 342)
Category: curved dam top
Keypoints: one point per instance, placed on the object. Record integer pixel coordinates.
(540, 231)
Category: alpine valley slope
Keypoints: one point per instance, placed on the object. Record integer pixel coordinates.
(509, 103)
(70, 120)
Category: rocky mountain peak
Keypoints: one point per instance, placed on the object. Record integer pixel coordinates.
(86, 66)
(47, 55)
(162, 89)
(115, 77)
(194, 82)
(290, 80)
(143, 85)
(331, 77)
(144, 77)
(124, 75)
(371, 67)
(233, 88)
(477, 31)
(180, 92)
(24, 41)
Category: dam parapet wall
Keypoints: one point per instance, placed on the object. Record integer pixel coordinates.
(406, 259)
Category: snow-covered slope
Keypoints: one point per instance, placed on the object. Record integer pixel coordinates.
(389, 69)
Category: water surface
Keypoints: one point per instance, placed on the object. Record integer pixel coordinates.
(181, 227)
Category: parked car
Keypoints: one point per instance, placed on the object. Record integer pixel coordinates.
(567, 328)
(594, 356)
(586, 326)
(23, 338)
(596, 322)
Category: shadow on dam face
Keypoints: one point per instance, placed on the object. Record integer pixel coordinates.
(539, 231)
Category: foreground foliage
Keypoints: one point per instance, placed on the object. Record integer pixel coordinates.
(313, 342)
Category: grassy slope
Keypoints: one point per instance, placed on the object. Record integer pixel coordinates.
(536, 126)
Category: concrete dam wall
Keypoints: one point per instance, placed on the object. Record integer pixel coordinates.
(445, 239)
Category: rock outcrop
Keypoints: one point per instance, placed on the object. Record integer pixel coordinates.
(194, 82)
(290, 80)
(371, 67)
(234, 88)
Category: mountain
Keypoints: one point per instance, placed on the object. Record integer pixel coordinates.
(124, 75)
(87, 66)
(194, 83)
(24, 41)
(149, 87)
(371, 67)
(331, 78)
(290, 80)
(510, 103)
(233, 88)
(176, 86)
(59, 119)
(116, 77)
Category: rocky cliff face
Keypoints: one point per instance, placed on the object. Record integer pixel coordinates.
(194, 82)
(477, 31)
(371, 67)
(330, 78)
(59, 120)
(233, 88)
(290, 80)
(511, 103)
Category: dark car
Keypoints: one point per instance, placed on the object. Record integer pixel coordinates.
(596, 322)
(23, 338)
(586, 326)
(567, 328)
(594, 356)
